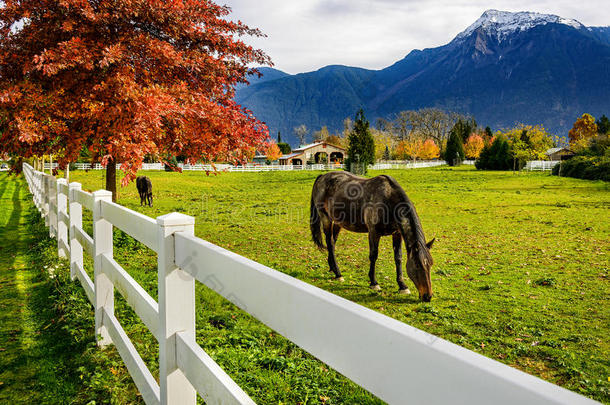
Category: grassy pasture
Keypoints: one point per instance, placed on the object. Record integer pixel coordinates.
(520, 275)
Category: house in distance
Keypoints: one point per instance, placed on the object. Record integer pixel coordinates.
(319, 152)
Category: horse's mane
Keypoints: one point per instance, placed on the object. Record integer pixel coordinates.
(414, 224)
(420, 240)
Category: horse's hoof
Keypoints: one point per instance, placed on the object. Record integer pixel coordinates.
(375, 287)
(405, 291)
(340, 279)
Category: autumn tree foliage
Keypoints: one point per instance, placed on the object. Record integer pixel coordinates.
(583, 130)
(473, 146)
(124, 79)
(409, 148)
(273, 151)
(528, 142)
(429, 150)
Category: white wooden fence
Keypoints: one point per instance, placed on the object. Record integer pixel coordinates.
(541, 165)
(396, 362)
(264, 168)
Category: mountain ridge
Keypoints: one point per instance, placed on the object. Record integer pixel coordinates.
(549, 73)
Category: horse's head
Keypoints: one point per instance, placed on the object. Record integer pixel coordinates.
(419, 264)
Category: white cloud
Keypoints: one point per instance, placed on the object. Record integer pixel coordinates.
(306, 35)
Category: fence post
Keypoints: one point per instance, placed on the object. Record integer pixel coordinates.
(62, 213)
(52, 206)
(45, 199)
(76, 221)
(176, 310)
(104, 289)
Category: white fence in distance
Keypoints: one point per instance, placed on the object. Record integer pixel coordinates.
(541, 165)
(394, 361)
(534, 165)
(264, 168)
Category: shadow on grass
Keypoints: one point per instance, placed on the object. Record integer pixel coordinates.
(44, 359)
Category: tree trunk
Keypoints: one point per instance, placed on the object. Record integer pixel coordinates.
(67, 172)
(111, 179)
(42, 164)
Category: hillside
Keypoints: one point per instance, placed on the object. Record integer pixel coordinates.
(504, 68)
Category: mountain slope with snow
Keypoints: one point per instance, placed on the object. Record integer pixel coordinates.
(502, 24)
(503, 69)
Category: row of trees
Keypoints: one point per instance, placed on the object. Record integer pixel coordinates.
(420, 134)
(590, 143)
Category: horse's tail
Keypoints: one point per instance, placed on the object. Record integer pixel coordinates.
(315, 222)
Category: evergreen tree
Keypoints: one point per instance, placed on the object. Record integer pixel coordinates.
(603, 125)
(495, 157)
(488, 133)
(361, 146)
(279, 137)
(454, 153)
(284, 148)
(464, 127)
(386, 153)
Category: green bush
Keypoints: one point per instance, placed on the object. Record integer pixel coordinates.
(284, 148)
(496, 156)
(585, 167)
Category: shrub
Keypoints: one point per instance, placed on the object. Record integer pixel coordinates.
(585, 167)
(496, 156)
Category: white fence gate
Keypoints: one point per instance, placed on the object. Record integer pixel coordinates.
(396, 362)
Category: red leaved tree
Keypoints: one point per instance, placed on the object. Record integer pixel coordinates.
(125, 79)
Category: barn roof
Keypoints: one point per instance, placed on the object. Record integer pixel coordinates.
(555, 150)
(313, 145)
(290, 156)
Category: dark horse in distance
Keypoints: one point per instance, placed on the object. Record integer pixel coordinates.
(380, 207)
(144, 187)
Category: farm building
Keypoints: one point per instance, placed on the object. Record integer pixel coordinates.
(319, 152)
(259, 158)
(559, 153)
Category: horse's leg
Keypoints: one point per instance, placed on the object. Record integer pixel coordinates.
(373, 253)
(330, 244)
(336, 229)
(397, 242)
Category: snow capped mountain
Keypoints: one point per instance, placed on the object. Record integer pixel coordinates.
(502, 24)
(505, 68)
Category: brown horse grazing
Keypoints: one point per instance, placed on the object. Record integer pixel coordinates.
(380, 207)
(144, 186)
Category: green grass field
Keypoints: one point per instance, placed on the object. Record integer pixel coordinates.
(520, 275)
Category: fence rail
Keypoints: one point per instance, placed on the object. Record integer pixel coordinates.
(392, 360)
(266, 168)
(541, 165)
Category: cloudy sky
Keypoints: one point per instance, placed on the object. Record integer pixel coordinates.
(305, 35)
